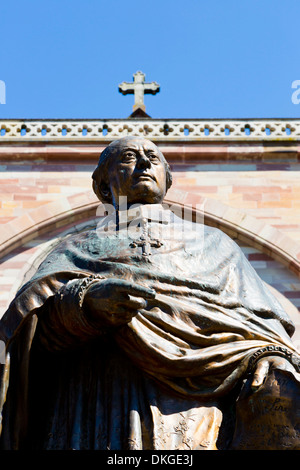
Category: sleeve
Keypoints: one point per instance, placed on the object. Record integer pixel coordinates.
(63, 322)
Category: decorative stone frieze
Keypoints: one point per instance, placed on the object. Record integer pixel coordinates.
(155, 129)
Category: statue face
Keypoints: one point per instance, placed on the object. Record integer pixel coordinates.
(137, 171)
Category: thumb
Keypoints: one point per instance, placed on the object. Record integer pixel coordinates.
(260, 374)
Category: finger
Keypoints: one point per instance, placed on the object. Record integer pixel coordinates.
(123, 315)
(137, 290)
(260, 374)
(136, 302)
(131, 306)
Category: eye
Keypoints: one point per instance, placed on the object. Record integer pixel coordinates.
(152, 156)
(128, 155)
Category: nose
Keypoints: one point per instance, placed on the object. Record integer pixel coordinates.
(143, 161)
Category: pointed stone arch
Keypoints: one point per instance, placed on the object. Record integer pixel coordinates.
(234, 222)
(55, 220)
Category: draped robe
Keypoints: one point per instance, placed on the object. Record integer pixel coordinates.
(169, 378)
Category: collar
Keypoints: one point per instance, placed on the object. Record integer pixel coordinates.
(144, 212)
(136, 214)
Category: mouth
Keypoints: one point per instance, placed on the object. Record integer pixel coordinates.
(145, 177)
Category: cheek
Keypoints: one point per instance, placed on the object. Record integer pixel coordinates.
(161, 179)
(124, 177)
(121, 181)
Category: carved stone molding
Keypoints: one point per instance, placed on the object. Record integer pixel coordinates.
(234, 222)
(188, 130)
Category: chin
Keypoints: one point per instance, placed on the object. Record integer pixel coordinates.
(148, 198)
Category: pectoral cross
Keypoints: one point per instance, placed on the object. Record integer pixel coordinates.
(145, 242)
(139, 88)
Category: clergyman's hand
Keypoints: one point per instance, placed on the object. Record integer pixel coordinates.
(113, 302)
(268, 363)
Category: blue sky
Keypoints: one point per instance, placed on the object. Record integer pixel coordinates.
(216, 59)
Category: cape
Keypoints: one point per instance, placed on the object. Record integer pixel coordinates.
(192, 344)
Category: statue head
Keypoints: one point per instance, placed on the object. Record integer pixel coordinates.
(133, 167)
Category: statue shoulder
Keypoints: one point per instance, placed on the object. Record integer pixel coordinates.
(65, 253)
(80, 239)
(219, 236)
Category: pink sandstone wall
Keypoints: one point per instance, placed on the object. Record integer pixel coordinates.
(18, 266)
(268, 191)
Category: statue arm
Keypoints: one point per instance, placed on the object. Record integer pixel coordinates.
(63, 322)
(87, 308)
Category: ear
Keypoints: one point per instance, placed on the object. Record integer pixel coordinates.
(105, 192)
(102, 191)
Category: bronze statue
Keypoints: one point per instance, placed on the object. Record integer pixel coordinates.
(141, 339)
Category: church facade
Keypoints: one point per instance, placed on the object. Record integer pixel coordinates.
(242, 176)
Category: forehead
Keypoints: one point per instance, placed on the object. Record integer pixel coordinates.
(135, 144)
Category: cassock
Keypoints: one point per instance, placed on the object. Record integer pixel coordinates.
(169, 378)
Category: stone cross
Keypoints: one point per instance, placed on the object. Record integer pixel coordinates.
(139, 88)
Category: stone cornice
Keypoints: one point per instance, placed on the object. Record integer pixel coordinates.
(159, 130)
